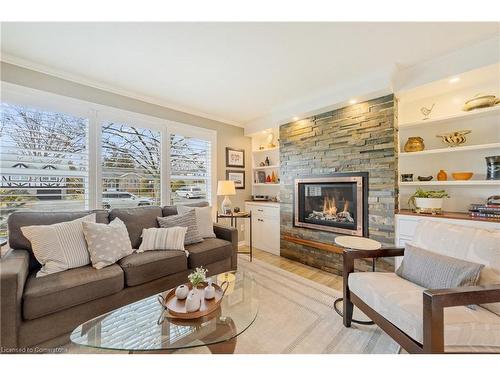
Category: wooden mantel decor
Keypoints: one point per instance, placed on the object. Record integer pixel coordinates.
(315, 244)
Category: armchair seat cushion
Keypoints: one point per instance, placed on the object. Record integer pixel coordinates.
(211, 250)
(140, 268)
(401, 303)
(62, 290)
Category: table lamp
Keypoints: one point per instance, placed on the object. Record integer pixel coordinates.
(226, 188)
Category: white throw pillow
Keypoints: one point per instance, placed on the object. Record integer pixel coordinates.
(203, 219)
(163, 239)
(59, 247)
(107, 243)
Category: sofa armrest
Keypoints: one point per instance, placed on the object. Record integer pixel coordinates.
(385, 252)
(14, 269)
(435, 300)
(229, 234)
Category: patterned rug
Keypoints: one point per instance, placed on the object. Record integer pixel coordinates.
(296, 316)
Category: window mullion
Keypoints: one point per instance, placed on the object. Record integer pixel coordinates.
(165, 167)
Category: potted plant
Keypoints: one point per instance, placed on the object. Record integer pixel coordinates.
(197, 277)
(431, 200)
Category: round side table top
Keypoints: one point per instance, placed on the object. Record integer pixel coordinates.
(357, 243)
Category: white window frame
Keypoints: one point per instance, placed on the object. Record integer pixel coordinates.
(96, 115)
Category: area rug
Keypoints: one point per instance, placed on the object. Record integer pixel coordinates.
(295, 316)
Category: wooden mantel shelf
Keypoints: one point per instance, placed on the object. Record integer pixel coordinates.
(315, 244)
(447, 215)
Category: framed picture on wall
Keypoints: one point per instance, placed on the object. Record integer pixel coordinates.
(235, 158)
(238, 177)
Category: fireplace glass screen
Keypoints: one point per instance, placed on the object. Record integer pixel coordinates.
(330, 204)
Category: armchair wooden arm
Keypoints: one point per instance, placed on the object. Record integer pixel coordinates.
(348, 268)
(435, 300)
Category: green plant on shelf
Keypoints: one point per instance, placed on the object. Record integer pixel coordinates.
(420, 193)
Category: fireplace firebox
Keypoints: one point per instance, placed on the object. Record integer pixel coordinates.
(334, 203)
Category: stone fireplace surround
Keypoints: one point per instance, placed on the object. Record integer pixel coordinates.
(357, 138)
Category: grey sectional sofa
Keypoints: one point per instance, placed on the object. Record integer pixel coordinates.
(42, 312)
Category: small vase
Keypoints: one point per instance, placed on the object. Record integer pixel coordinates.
(193, 301)
(442, 176)
(182, 291)
(210, 291)
(414, 144)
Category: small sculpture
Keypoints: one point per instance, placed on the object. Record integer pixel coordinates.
(267, 161)
(182, 291)
(427, 111)
(454, 138)
(209, 291)
(193, 301)
(424, 178)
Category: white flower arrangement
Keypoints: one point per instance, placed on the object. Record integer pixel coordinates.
(198, 276)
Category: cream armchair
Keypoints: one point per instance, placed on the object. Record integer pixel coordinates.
(432, 321)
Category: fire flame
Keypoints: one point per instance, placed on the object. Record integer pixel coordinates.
(330, 206)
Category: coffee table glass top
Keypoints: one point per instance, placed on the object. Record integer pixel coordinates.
(145, 325)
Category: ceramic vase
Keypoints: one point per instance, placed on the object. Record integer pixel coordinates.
(442, 176)
(182, 291)
(209, 291)
(414, 144)
(193, 301)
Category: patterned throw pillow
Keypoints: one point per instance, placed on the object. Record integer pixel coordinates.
(435, 271)
(204, 219)
(187, 220)
(107, 243)
(163, 239)
(59, 247)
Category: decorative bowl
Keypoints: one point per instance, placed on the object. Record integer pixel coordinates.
(424, 178)
(480, 101)
(462, 175)
(454, 138)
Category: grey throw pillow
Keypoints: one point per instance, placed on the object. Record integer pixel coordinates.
(203, 219)
(187, 220)
(435, 271)
(107, 243)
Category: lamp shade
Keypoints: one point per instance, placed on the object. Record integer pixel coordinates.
(226, 188)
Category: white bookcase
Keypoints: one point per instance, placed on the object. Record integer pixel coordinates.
(447, 115)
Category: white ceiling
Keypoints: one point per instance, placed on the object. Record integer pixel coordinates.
(236, 72)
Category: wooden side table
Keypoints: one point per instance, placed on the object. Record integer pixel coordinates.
(234, 223)
(356, 243)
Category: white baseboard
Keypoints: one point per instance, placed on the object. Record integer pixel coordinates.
(242, 243)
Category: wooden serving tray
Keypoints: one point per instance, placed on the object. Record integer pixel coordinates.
(177, 308)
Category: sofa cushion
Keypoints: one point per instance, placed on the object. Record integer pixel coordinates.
(211, 250)
(20, 219)
(172, 210)
(140, 268)
(62, 290)
(463, 242)
(136, 219)
(401, 303)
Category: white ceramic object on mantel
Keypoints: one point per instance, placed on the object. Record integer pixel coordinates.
(193, 301)
(209, 291)
(182, 291)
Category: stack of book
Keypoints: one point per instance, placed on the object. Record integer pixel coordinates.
(485, 211)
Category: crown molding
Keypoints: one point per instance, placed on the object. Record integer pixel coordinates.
(40, 68)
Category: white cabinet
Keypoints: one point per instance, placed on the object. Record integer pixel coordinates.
(265, 226)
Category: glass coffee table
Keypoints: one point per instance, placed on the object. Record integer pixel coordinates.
(144, 325)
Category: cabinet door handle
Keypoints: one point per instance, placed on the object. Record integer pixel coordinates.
(260, 220)
(260, 210)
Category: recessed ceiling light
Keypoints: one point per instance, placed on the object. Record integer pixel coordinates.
(454, 80)
(295, 118)
(353, 101)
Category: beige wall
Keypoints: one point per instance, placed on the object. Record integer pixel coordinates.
(227, 135)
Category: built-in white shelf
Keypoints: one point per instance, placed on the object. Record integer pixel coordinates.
(473, 114)
(266, 150)
(267, 167)
(451, 149)
(452, 183)
(267, 184)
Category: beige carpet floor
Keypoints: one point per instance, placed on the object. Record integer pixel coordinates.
(296, 316)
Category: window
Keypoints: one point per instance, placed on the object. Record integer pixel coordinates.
(190, 169)
(62, 154)
(43, 161)
(130, 166)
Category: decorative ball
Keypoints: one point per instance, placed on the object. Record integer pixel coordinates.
(236, 210)
(182, 291)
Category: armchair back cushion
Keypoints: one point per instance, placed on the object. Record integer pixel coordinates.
(467, 243)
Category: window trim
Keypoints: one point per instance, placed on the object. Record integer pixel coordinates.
(99, 113)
